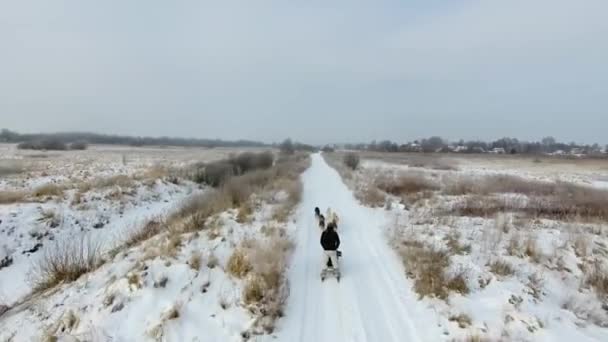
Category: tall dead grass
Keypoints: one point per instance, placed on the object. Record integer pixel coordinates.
(405, 183)
(559, 201)
(266, 289)
(66, 261)
(9, 197)
(427, 266)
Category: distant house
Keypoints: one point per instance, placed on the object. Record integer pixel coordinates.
(497, 150)
(577, 151)
(459, 148)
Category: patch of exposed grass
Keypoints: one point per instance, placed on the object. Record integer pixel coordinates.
(195, 261)
(501, 268)
(597, 278)
(238, 265)
(427, 267)
(405, 183)
(463, 320)
(66, 261)
(48, 190)
(9, 197)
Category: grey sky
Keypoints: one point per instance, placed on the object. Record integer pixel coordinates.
(317, 71)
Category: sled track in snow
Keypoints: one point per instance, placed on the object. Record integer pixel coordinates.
(372, 302)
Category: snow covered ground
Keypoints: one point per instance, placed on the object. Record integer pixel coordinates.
(523, 278)
(175, 284)
(519, 278)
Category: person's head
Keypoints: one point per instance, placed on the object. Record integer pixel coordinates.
(331, 226)
(317, 211)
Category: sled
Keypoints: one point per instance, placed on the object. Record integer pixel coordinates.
(330, 270)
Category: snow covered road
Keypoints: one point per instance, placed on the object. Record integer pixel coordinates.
(373, 301)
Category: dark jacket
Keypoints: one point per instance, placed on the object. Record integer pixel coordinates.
(330, 241)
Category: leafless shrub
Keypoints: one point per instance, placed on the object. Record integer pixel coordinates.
(66, 261)
(48, 145)
(351, 160)
(215, 174)
(79, 145)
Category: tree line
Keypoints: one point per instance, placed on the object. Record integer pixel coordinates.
(66, 140)
(505, 145)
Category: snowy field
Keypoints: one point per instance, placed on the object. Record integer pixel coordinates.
(116, 202)
(501, 248)
(433, 250)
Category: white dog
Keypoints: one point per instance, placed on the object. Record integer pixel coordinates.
(332, 217)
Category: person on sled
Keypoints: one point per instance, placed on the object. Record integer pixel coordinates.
(330, 241)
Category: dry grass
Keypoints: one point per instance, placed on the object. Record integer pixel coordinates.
(148, 230)
(10, 167)
(48, 190)
(458, 284)
(501, 268)
(597, 278)
(245, 212)
(515, 245)
(351, 160)
(427, 267)
(66, 261)
(453, 243)
(531, 249)
(497, 184)
(559, 201)
(581, 243)
(238, 264)
(50, 217)
(371, 196)
(463, 320)
(405, 183)
(195, 261)
(432, 162)
(122, 181)
(266, 289)
(171, 245)
(9, 197)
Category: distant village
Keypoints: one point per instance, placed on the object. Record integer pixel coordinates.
(547, 146)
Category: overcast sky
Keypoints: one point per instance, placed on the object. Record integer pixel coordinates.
(317, 71)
